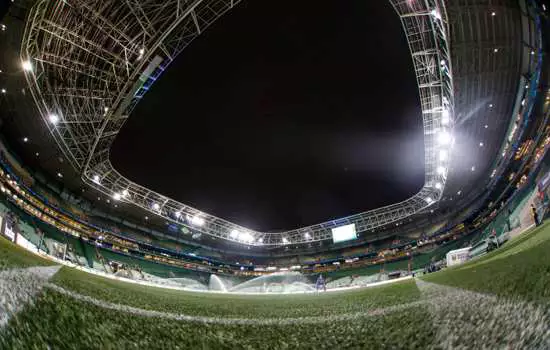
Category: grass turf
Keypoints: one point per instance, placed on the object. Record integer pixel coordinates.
(60, 322)
(521, 268)
(236, 306)
(13, 256)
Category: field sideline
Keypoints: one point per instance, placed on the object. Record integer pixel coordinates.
(507, 290)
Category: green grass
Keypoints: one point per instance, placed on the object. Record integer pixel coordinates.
(521, 268)
(12, 256)
(60, 322)
(237, 306)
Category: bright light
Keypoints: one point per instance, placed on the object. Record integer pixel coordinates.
(59, 175)
(54, 118)
(285, 240)
(156, 206)
(25, 139)
(459, 193)
(141, 51)
(486, 126)
(307, 235)
(125, 193)
(429, 200)
(177, 214)
(444, 138)
(246, 237)
(117, 196)
(96, 179)
(493, 13)
(197, 221)
(435, 13)
(260, 240)
(443, 155)
(234, 234)
(441, 170)
(495, 50)
(438, 186)
(3, 91)
(27, 66)
(481, 144)
(473, 168)
(445, 117)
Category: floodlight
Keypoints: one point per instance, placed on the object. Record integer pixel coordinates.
(245, 237)
(429, 200)
(125, 193)
(438, 185)
(197, 221)
(444, 138)
(27, 66)
(234, 234)
(177, 214)
(116, 196)
(307, 235)
(260, 240)
(156, 206)
(96, 179)
(435, 13)
(3, 91)
(443, 155)
(285, 240)
(25, 139)
(441, 170)
(53, 118)
(445, 118)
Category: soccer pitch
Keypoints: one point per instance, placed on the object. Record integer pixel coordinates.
(500, 300)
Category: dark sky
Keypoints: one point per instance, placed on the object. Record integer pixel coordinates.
(282, 114)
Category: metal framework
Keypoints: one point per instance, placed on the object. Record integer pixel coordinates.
(91, 61)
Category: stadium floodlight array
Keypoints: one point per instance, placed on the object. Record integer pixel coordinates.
(88, 63)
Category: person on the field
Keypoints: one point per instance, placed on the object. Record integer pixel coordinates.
(320, 284)
(535, 215)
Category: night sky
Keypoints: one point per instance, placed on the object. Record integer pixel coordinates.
(283, 114)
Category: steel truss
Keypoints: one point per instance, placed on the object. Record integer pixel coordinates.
(93, 60)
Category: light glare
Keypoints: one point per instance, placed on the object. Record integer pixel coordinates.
(54, 118)
(27, 66)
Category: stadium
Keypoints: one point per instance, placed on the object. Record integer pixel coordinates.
(106, 121)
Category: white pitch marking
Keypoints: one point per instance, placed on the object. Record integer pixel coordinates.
(466, 319)
(19, 286)
(233, 321)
